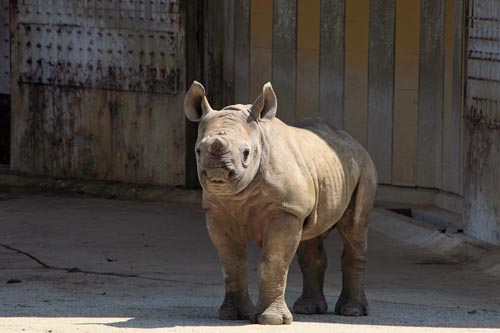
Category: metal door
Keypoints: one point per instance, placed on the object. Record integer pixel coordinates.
(97, 89)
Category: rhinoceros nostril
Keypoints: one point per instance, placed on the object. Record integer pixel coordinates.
(231, 174)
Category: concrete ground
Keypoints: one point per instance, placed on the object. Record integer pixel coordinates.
(75, 264)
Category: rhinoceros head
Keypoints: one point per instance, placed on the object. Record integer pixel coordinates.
(229, 145)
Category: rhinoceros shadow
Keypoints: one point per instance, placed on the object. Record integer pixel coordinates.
(393, 302)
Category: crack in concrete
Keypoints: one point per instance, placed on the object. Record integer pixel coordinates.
(28, 255)
(78, 270)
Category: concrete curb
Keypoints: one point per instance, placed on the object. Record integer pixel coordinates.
(102, 189)
(456, 246)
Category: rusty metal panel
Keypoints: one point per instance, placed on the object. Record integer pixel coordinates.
(116, 44)
(483, 62)
(156, 15)
(482, 120)
(99, 89)
(4, 48)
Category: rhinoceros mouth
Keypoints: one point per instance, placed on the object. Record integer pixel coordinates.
(218, 182)
(223, 187)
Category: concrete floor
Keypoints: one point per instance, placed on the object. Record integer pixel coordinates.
(128, 266)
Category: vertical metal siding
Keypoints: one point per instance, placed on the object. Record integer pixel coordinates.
(452, 120)
(406, 78)
(261, 44)
(430, 111)
(308, 41)
(242, 51)
(4, 47)
(213, 49)
(284, 65)
(332, 49)
(356, 69)
(482, 116)
(229, 51)
(381, 86)
(483, 63)
(381, 77)
(194, 65)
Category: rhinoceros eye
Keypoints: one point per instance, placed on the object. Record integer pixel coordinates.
(198, 151)
(246, 153)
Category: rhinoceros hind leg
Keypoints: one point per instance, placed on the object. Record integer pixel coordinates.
(353, 231)
(351, 307)
(313, 262)
(310, 305)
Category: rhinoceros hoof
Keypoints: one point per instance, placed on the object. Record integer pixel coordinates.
(275, 315)
(351, 307)
(310, 305)
(237, 309)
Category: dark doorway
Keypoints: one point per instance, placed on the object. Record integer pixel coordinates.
(4, 129)
(4, 83)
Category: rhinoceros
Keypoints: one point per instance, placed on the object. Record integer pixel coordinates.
(284, 187)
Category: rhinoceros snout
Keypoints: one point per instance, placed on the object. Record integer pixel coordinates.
(219, 175)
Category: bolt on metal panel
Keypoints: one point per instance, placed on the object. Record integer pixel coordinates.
(97, 89)
(129, 46)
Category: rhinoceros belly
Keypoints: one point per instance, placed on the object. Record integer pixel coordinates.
(334, 160)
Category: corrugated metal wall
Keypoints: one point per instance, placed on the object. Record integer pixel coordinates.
(98, 89)
(4, 48)
(483, 61)
(4, 82)
(388, 71)
(482, 172)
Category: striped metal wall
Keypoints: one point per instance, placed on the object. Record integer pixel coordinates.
(483, 61)
(482, 121)
(4, 48)
(387, 71)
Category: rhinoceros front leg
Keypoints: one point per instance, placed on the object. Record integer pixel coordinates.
(312, 261)
(237, 304)
(280, 241)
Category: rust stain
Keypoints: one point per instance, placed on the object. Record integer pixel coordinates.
(98, 98)
(477, 119)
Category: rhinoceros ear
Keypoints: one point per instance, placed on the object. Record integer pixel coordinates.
(264, 107)
(195, 103)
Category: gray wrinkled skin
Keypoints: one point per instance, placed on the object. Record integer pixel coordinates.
(285, 188)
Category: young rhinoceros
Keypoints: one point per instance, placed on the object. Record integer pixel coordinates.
(285, 188)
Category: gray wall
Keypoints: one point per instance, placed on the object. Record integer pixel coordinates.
(4, 82)
(4, 48)
(482, 168)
